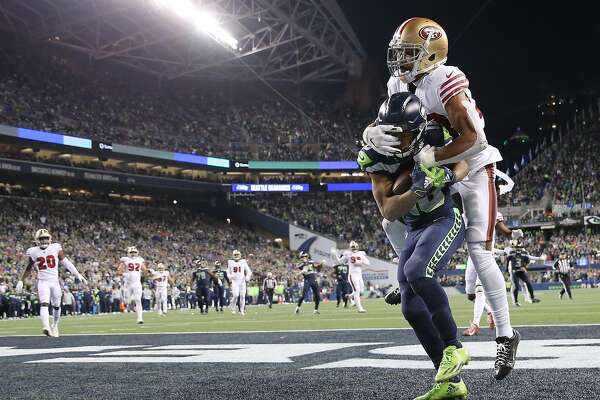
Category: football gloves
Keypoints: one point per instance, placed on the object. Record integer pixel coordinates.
(423, 180)
(381, 142)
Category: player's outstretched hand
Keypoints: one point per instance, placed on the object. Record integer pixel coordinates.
(82, 279)
(380, 141)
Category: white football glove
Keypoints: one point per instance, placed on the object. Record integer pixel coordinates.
(516, 234)
(381, 142)
(426, 157)
(19, 287)
(543, 257)
(82, 279)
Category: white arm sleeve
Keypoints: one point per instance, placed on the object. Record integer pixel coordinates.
(367, 261)
(508, 186)
(69, 265)
(248, 273)
(480, 141)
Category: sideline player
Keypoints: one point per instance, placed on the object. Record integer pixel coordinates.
(219, 286)
(416, 57)
(45, 255)
(355, 259)
(308, 269)
(473, 287)
(239, 273)
(434, 231)
(132, 267)
(342, 289)
(161, 278)
(517, 260)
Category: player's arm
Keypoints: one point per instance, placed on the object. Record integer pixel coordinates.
(247, 272)
(24, 275)
(120, 268)
(193, 279)
(65, 262)
(226, 276)
(391, 206)
(366, 260)
(461, 114)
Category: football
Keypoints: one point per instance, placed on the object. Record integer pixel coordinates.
(402, 182)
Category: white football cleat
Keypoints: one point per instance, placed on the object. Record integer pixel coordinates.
(362, 310)
(47, 332)
(242, 313)
(54, 331)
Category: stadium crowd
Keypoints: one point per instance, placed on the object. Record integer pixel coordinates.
(57, 94)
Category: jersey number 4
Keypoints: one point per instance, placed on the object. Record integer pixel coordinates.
(48, 262)
(133, 267)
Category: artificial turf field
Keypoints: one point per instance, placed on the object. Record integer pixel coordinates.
(338, 354)
(584, 309)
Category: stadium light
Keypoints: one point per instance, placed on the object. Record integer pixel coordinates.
(201, 20)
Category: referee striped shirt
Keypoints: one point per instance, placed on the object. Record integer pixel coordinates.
(562, 266)
(269, 283)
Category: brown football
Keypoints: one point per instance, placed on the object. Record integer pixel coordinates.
(402, 182)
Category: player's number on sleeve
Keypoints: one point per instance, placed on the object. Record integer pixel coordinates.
(47, 262)
(133, 267)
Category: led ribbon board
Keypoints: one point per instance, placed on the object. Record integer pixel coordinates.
(268, 187)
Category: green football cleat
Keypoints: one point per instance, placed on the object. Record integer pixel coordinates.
(446, 390)
(452, 362)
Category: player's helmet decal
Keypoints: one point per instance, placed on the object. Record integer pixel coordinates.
(430, 32)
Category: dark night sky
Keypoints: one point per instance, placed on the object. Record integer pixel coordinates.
(514, 52)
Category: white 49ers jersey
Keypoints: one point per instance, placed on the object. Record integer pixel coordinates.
(133, 268)
(355, 261)
(434, 90)
(238, 271)
(46, 261)
(161, 279)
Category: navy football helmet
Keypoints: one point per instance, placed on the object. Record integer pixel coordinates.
(403, 115)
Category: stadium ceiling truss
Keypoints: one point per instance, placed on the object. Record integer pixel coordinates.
(278, 40)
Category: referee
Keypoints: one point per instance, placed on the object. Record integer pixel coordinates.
(562, 268)
(269, 287)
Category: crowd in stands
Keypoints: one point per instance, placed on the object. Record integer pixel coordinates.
(56, 94)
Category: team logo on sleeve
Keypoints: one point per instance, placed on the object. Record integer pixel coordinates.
(430, 32)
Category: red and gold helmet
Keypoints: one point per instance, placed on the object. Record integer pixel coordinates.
(418, 46)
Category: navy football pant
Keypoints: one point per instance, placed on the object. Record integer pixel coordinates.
(342, 291)
(202, 294)
(219, 296)
(424, 302)
(310, 285)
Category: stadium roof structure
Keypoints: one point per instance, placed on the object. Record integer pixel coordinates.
(277, 40)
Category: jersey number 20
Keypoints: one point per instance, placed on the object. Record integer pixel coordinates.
(48, 262)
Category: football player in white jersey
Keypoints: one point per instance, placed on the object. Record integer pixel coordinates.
(417, 55)
(46, 256)
(473, 287)
(355, 259)
(162, 279)
(239, 273)
(132, 267)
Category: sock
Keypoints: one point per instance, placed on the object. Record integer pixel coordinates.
(416, 313)
(45, 316)
(242, 302)
(56, 315)
(494, 286)
(356, 295)
(478, 307)
(436, 301)
(139, 310)
(396, 234)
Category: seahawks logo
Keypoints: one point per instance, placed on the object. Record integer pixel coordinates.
(430, 32)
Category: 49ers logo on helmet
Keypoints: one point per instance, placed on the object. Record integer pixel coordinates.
(430, 31)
